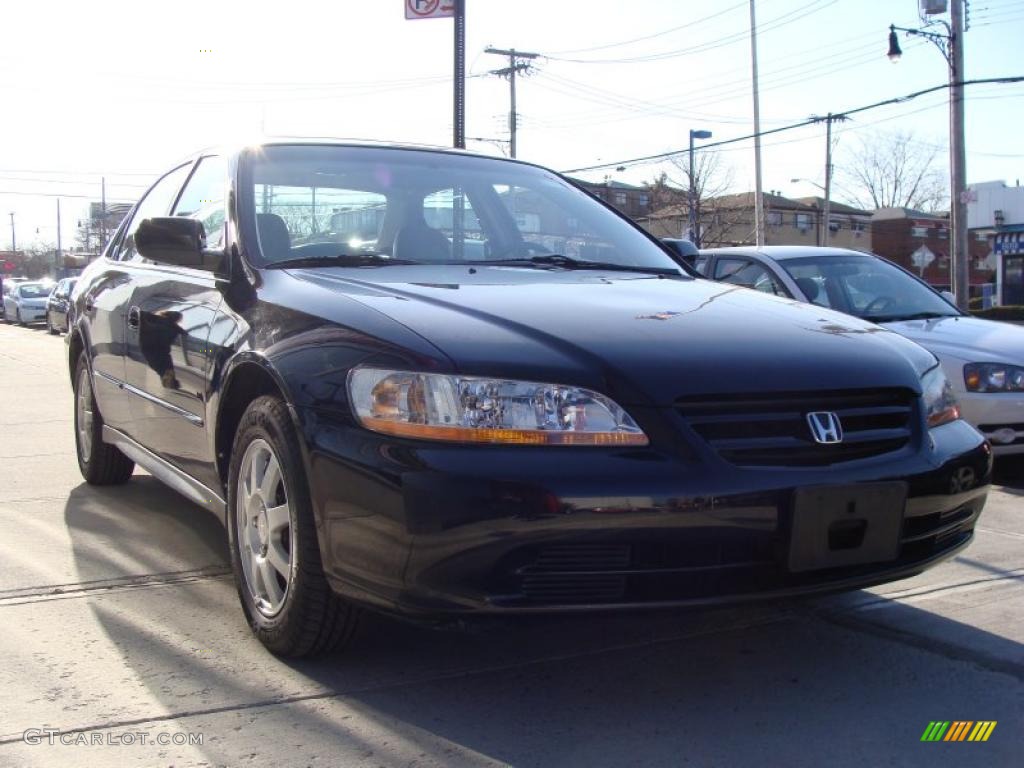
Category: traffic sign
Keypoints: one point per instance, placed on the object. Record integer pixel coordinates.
(429, 9)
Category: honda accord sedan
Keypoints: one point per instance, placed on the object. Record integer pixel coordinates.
(439, 384)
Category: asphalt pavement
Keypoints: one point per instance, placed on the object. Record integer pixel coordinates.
(122, 644)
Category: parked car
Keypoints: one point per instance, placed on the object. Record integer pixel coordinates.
(25, 302)
(397, 426)
(58, 305)
(983, 359)
(8, 285)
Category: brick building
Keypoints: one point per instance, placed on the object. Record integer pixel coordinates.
(920, 242)
(631, 200)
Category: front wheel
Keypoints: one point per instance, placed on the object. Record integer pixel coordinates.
(17, 318)
(49, 325)
(99, 462)
(272, 534)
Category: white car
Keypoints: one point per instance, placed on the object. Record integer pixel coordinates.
(983, 359)
(26, 302)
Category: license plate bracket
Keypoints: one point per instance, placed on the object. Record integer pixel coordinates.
(841, 525)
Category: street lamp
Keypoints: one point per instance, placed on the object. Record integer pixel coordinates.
(693, 234)
(952, 48)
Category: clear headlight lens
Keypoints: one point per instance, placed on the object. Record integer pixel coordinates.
(467, 409)
(993, 377)
(940, 405)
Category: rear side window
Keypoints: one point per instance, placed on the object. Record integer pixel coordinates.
(748, 274)
(157, 202)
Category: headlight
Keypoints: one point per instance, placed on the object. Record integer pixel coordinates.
(939, 402)
(993, 377)
(466, 409)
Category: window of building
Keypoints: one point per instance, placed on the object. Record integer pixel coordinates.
(919, 231)
(620, 198)
(774, 218)
(802, 221)
(643, 200)
(942, 233)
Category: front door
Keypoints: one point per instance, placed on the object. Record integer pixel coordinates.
(168, 362)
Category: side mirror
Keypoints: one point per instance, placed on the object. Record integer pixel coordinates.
(174, 240)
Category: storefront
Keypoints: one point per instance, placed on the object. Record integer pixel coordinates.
(1009, 251)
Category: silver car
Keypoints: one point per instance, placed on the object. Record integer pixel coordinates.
(983, 359)
(26, 302)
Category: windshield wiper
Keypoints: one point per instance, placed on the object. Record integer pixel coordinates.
(340, 260)
(912, 316)
(557, 260)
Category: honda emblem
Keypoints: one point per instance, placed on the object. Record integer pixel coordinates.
(825, 427)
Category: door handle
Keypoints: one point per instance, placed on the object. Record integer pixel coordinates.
(134, 317)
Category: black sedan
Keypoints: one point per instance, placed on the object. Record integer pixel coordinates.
(435, 383)
(58, 305)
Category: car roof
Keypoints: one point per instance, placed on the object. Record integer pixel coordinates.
(784, 252)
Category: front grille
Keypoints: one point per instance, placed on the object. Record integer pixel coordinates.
(772, 430)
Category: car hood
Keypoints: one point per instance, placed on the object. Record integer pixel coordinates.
(967, 338)
(636, 337)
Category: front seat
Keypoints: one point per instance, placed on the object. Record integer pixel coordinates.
(275, 242)
(417, 241)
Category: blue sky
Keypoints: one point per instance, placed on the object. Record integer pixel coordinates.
(124, 89)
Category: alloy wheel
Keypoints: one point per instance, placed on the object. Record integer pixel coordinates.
(83, 406)
(264, 536)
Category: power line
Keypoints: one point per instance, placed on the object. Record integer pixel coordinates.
(802, 123)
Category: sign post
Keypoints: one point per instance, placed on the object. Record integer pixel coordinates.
(439, 9)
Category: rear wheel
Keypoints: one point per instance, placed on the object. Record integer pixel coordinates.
(100, 463)
(275, 553)
(49, 325)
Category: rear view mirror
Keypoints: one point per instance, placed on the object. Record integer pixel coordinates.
(174, 240)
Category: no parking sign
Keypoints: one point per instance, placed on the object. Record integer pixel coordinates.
(429, 9)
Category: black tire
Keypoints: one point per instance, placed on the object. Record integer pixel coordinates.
(312, 618)
(102, 463)
(17, 317)
(49, 325)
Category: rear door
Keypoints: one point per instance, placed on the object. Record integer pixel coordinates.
(167, 360)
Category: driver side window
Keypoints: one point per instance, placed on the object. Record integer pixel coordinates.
(157, 202)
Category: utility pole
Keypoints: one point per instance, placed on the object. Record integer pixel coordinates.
(957, 159)
(14, 240)
(758, 197)
(827, 205)
(59, 260)
(514, 65)
(103, 213)
(459, 100)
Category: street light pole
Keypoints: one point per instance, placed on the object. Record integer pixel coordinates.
(952, 46)
(14, 240)
(759, 223)
(693, 234)
(958, 160)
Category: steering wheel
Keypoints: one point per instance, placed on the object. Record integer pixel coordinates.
(879, 304)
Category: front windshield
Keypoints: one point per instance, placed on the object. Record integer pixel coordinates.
(865, 286)
(374, 205)
(29, 291)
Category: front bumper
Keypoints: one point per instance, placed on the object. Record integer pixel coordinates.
(433, 530)
(996, 415)
(32, 314)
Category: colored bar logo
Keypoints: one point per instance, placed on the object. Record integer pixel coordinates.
(958, 730)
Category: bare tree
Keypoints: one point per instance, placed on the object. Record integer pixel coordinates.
(893, 170)
(711, 180)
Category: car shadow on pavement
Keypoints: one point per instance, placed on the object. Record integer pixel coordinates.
(1008, 472)
(849, 679)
